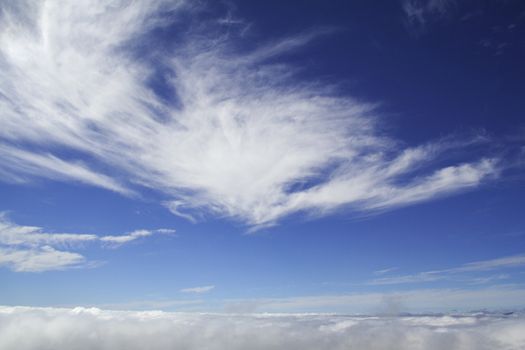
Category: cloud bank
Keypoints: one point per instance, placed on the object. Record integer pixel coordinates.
(132, 94)
(31, 249)
(89, 328)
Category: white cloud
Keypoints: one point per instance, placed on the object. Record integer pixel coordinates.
(126, 238)
(31, 249)
(22, 163)
(477, 266)
(244, 138)
(198, 290)
(87, 328)
(39, 259)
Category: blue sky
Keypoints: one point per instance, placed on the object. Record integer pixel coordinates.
(263, 156)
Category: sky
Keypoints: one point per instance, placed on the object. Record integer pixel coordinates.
(348, 157)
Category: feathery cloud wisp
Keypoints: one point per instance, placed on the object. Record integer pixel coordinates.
(231, 133)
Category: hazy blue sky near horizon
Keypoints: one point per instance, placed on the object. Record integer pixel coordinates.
(345, 156)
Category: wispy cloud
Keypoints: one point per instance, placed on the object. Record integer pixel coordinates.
(477, 266)
(31, 249)
(419, 12)
(20, 164)
(239, 135)
(385, 271)
(198, 290)
(393, 302)
(473, 296)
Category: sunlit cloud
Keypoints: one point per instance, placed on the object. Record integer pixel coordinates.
(38, 259)
(87, 328)
(238, 135)
(31, 249)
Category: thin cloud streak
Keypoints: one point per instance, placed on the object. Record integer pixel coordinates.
(385, 271)
(31, 249)
(395, 302)
(435, 275)
(417, 300)
(198, 290)
(246, 139)
(20, 165)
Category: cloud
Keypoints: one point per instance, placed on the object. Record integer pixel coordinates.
(19, 163)
(485, 265)
(198, 290)
(395, 302)
(477, 266)
(129, 237)
(31, 249)
(90, 94)
(39, 259)
(385, 271)
(87, 328)
(419, 12)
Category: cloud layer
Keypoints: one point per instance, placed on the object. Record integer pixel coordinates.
(93, 92)
(81, 328)
(31, 249)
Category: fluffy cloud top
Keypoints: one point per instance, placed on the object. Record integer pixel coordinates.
(226, 132)
(81, 328)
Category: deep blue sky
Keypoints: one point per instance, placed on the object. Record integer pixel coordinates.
(445, 74)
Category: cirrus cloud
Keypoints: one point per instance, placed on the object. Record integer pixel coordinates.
(86, 97)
